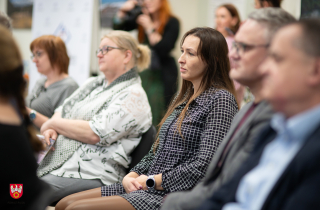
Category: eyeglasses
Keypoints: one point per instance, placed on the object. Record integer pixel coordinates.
(37, 54)
(105, 49)
(241, 48)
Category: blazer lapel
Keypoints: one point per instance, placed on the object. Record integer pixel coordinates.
(258, 112)
(224, 143)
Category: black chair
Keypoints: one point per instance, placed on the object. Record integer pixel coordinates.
(143, 147)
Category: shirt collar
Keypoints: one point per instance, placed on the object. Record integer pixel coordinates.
(132, 73)
(298, 126)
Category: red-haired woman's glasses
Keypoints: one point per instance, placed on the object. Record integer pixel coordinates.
(37, 54)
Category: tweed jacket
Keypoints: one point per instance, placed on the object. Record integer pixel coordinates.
(183, 161)
(238, 152)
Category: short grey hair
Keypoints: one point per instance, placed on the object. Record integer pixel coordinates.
(272, 18)
(309, 39)
(5, 20)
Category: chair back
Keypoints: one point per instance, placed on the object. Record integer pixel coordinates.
(143, 147)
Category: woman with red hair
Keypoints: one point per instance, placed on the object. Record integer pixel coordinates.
(49, 53)
(159, 29)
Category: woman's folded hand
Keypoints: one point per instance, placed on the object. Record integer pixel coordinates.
(130, 184)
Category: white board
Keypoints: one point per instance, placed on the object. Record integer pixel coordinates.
(72, 21)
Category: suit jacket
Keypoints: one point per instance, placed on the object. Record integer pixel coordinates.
(297, 188)
(240, 148)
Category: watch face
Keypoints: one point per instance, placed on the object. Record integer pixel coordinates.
(150, 183)
(32, 116)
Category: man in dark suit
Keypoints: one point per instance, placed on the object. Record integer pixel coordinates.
(249, 51)
(283, 170)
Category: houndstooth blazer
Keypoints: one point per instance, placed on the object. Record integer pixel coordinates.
(183, 161)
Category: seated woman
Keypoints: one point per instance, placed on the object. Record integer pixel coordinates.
(18, 138)
(49, 53)
(227, 20)
(190, 133)
(100, 123)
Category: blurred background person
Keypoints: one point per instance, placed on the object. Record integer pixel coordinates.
(159, 29)
(267, 3)
(228, 21)
(18, 138)
(49, 53)
(101, 123)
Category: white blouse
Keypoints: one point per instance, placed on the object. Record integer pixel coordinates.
(120, 124)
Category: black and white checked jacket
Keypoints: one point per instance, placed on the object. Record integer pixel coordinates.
(183, 161)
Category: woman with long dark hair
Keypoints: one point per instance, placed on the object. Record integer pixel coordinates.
(159, 29)
(19, 142)
(191, 131)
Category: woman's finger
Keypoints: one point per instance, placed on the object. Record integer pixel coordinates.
(137, 184)
(54, 135)
(47, 137)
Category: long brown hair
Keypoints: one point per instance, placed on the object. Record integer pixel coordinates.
(213, 50)
(12, 83)
(235, 14)
(56, 50)
(164, 15)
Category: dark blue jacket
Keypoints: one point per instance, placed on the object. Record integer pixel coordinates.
(297, 188)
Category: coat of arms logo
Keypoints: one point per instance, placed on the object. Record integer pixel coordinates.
(16, 190)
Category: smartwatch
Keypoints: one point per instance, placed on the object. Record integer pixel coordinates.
(151, 182)
(32, 115)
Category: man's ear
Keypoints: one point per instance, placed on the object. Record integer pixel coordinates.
(314, 79)
(128, 56)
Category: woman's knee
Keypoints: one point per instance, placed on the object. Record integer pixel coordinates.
(65, 202)
(78, 205)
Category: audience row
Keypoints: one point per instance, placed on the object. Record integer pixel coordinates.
(207, 155)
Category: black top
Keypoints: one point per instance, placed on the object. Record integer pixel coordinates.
(18, 167)
(169, 36)
(161, 58)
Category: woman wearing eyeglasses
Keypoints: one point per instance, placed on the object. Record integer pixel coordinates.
(49, 53)
(101, 123)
